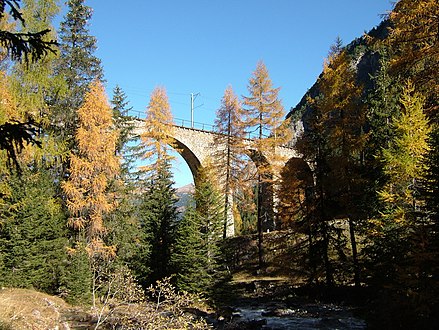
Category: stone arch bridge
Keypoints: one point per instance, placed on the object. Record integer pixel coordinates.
(196, 146)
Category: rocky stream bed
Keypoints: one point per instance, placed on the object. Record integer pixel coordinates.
(271, 305)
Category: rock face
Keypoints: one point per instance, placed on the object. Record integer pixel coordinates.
(366, 62)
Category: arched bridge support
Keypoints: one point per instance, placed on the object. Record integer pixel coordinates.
(197, 147)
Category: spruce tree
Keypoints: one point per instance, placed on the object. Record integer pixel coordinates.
(122, 119)
(123, 224)
(77, 65)
(197, 256)
(33, 236)
(157, 210)
(158, 217)
(382, 106)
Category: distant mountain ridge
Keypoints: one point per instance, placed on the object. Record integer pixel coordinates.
(184, 195)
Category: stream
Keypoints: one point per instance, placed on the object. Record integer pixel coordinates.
(305, 316)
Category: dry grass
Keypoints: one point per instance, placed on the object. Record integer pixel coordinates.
(28, 309)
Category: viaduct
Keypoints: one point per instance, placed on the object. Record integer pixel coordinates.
(196, 146)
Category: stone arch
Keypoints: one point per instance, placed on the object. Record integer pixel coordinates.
(302, 168)
(267, 189)
(191, 159)
(296, 181)
(196, 146)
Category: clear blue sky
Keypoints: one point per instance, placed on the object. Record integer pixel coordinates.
(204, 45)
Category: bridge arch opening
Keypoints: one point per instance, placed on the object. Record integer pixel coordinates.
(296, 183)
(189, 157)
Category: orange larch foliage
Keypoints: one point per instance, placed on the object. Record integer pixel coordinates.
(93, 166)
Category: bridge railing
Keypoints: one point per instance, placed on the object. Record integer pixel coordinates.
(177, 121)
(186, 123)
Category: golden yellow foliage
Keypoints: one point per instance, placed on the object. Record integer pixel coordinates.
(93, 166)
(415, 37)
(156, 139)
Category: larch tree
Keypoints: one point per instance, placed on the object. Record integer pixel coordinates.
(34, 83)
(92, 167)
(404, 165)
(404, 160)
(156, 140)
(334, 143)
(24, 45)
(29, 47)
(414, 36)
(264, 121)
(229, 156)
(345, 130)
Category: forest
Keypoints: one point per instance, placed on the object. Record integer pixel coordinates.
(356, 215)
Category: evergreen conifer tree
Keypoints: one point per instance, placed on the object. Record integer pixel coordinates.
(122, 119)
(158, 216)
(157, 210)
(33, 236)
(77, 65)
(197, 255)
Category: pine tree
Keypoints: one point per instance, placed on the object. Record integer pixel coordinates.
(229, 158)
(264, 114)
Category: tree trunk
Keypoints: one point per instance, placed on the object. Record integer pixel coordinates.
(354, 253)
(259, 225)
(327, 262)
